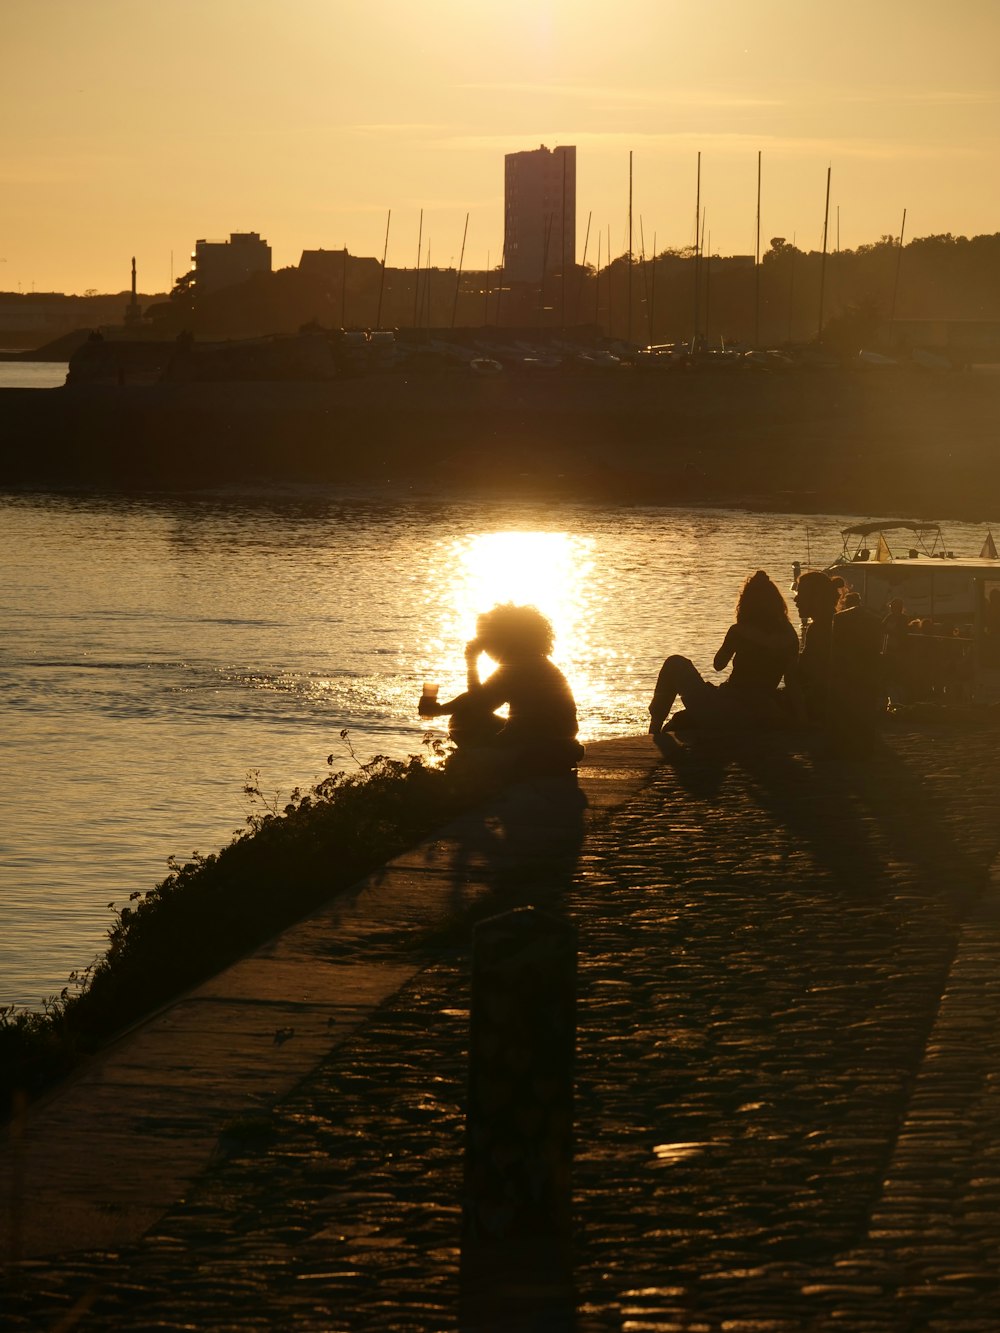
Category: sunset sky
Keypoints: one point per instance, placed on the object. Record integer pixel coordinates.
(138, 126)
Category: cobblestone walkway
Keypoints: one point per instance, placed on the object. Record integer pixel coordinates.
(788, 1085)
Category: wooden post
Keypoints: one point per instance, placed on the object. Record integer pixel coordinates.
(517, 1200)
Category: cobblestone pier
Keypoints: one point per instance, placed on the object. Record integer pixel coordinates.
(787, 1083)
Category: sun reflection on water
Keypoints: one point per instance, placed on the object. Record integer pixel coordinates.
(553, 571)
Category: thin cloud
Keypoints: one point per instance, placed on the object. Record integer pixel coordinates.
(628, 97)
(399, 127)
(725, 142)
(923, 97)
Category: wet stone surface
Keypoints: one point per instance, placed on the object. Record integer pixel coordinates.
(764, 941)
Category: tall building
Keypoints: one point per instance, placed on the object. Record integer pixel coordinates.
(539, 212)
(225, 263)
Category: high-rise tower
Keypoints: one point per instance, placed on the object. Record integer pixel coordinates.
(539, 212)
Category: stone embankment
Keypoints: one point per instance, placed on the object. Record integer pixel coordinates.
(892, 442)
(787, 1106)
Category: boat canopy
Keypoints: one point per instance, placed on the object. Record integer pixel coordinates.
(889, 525)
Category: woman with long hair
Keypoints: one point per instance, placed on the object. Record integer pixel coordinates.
(763, 648)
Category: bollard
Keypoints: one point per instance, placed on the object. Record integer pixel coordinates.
(516, 1264)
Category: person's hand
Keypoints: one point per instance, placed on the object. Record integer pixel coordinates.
(472, 649)
(427, 707)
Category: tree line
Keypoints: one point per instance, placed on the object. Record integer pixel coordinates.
(792, 296)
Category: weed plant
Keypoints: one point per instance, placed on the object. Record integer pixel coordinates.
(211, 910)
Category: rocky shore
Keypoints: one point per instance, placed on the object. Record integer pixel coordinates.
(897, 441)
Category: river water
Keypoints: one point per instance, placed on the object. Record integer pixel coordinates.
(32, 374)
(157, 650)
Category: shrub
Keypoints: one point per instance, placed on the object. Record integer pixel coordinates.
(213, 909)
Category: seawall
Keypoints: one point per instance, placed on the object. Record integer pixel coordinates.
(836, 440)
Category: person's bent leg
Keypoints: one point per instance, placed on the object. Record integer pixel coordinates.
(474, 725)
(678, 676)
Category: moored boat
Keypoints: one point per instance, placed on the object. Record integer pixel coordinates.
(906, 566)
(892, 559)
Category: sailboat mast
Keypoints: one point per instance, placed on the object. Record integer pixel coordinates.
(427, 287)
(708, 286)
(822, 270)
(645, 275)
(652, 292)
(703, 265)
(629, 333)
(416, 280)
(381, 280)
(756, 267)
(697, 274)
(583, 270)
(610, 325)
(597, 283)
(458, 275)
(895, 284)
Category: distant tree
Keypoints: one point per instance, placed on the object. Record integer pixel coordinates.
(184, 288)
(780, 250)
(885, 242)
(853, 329)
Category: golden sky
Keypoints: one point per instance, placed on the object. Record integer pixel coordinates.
(138, 126)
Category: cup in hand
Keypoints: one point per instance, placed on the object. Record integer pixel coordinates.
(428, 699)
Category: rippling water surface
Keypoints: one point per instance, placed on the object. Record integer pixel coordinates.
(32, 374)
(154, 652)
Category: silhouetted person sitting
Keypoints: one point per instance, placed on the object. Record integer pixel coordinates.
(763, 648)
(539, 733)
(840, 664)
(894, 656)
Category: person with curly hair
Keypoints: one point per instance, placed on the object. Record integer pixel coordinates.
(763, 648)
(539, 733)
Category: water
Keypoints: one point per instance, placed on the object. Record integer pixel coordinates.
(156, 651)
(32, 374)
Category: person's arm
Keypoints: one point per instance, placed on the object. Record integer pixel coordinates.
(728, 650)
(431, 707)
(492, 692)
(472, 650)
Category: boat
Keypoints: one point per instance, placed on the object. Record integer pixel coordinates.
(948, 596)
(886, 559)
(485, 365)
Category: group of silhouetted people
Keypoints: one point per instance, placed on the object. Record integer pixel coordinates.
(925, 660)
(832, 682)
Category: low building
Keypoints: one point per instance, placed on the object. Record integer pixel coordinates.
(220, 264)
(334, 268)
